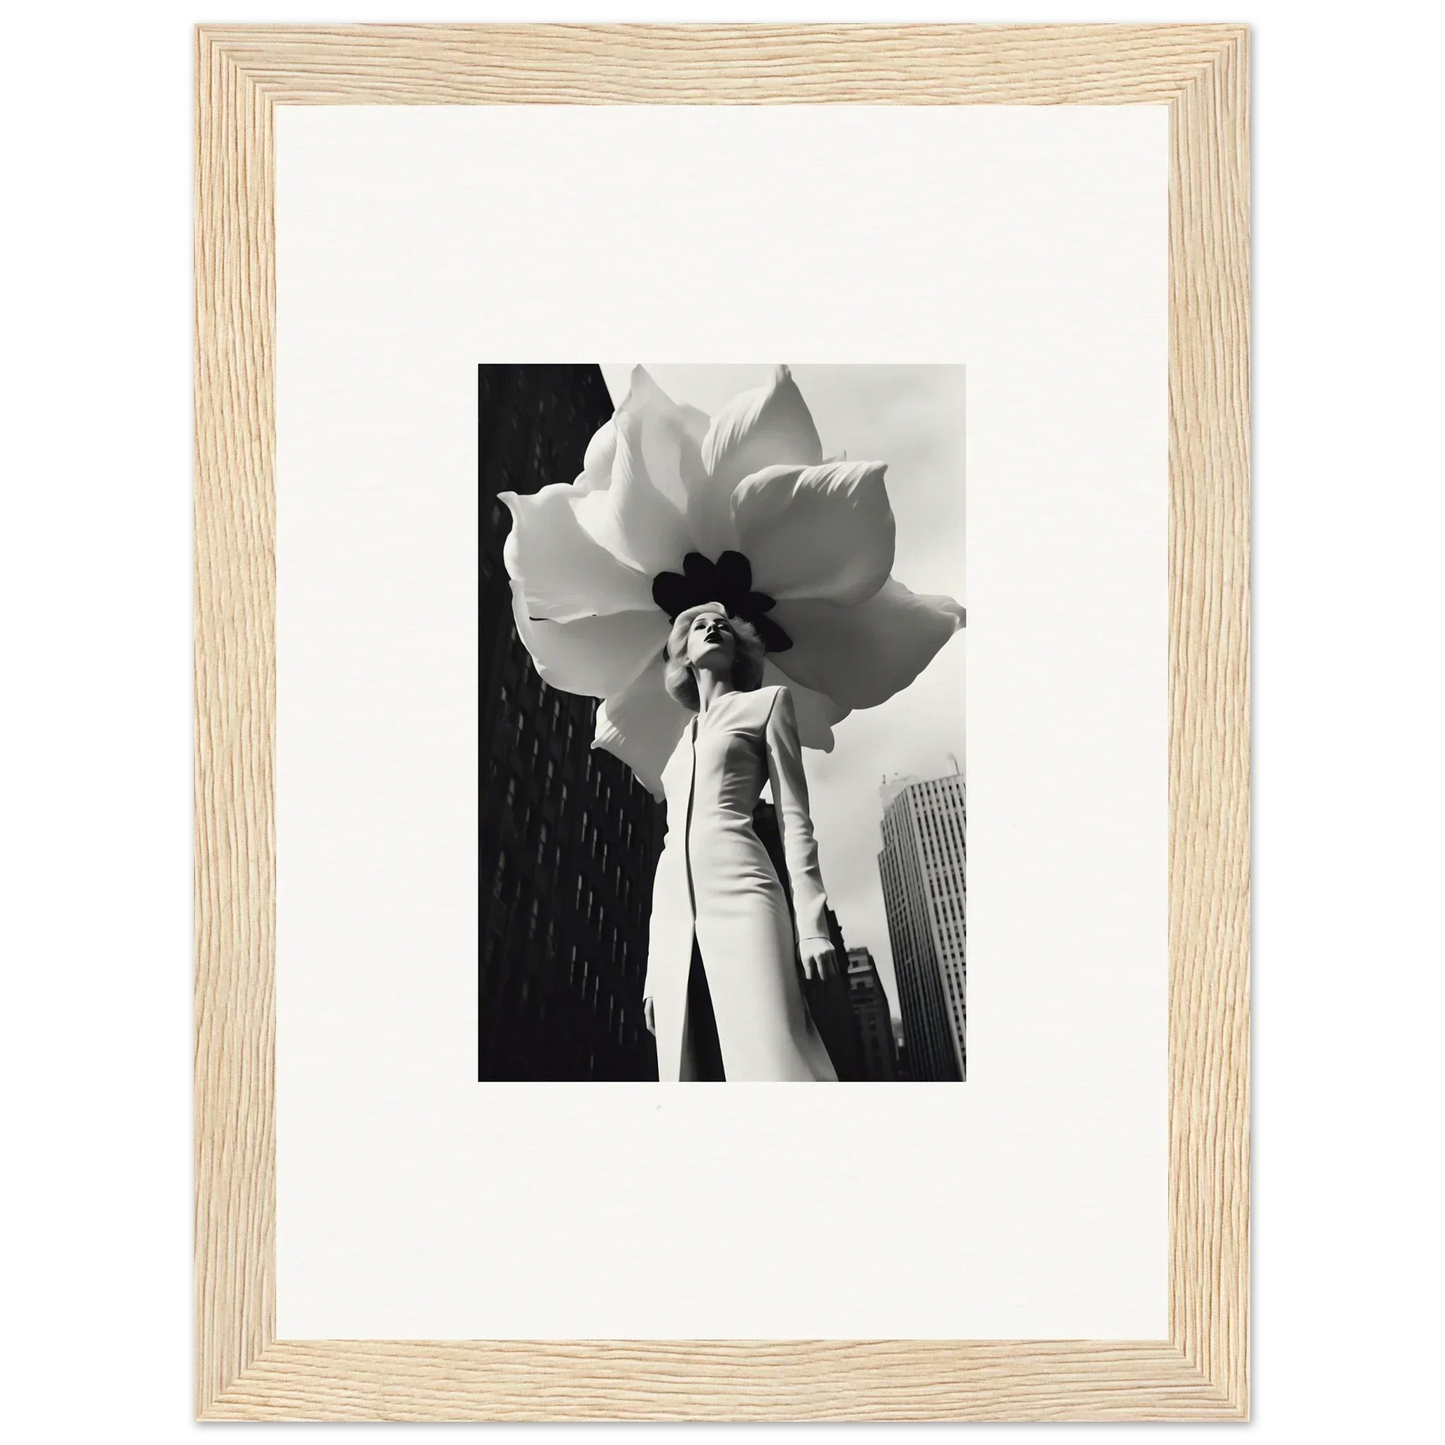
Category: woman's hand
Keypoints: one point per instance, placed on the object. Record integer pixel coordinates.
(820, 958)
(647, 1017)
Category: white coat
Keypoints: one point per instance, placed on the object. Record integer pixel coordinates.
(716, 882)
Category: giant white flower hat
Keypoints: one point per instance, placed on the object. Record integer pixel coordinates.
(674, 507)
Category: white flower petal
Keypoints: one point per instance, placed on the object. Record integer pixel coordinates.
(756, 429)
(592, 656)
(632, 518)
(860, 656)
(597, 463)
(695, 423)
(817, 714)
(562, 572)
(641, 725)
(823, 533)
(762, 428)
(710, 522)
(669, 437)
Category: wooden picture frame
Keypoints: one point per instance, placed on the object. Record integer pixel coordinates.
(1201, 1371)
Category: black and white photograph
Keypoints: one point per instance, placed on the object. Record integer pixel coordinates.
(723, 797)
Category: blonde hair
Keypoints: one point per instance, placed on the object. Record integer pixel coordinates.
(678, 677)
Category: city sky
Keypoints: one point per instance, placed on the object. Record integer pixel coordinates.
(912, 418)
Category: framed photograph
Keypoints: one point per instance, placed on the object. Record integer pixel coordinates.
(597, 915)
(722, 557)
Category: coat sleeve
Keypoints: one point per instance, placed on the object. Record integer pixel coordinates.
(790, 797)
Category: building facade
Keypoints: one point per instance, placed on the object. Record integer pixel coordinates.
(875, 1022)
(923, 865)
(568, 840)
(828, 999)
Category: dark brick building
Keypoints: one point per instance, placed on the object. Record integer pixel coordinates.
(569, 840)
(904, 1071)
(875, 1022)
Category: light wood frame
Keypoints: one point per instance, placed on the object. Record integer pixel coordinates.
(1201, 1371)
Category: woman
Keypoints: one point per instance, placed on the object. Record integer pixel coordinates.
(722, 994)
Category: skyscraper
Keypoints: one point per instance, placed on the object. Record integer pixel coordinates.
(922, 866)
(870, 1008)
(569, 838)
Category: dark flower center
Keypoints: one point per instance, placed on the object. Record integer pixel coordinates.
(728, 581)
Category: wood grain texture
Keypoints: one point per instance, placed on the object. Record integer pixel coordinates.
(235, 738)
(722, 1380)
(722, 64)
(1202, 1370)
(1209, 722)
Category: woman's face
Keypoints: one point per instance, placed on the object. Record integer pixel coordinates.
(711, 642)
